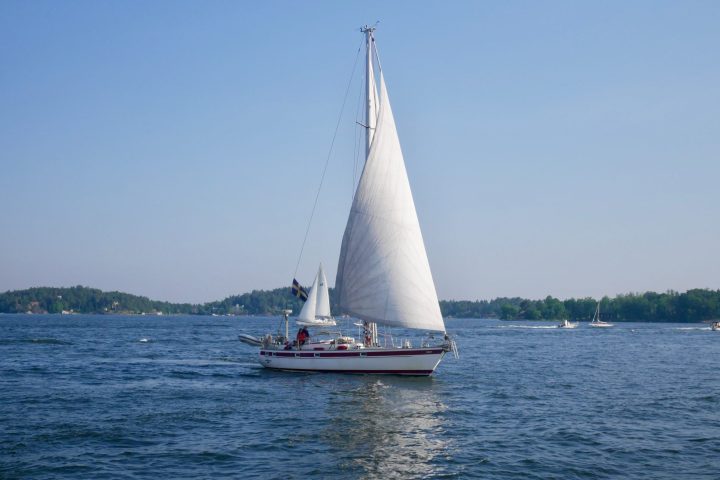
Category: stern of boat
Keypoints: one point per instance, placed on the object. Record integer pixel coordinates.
(450, 346)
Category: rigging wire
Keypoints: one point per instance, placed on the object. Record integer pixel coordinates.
(327, 161)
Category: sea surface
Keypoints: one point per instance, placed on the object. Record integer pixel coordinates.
(131, 397)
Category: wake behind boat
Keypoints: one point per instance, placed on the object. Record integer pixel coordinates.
(383, 274)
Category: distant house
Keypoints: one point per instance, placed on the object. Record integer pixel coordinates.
(34, 307)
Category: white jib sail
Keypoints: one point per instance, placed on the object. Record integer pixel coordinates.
(308, 310)
(383, 272)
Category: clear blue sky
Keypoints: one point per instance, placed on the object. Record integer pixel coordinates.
(173, 149)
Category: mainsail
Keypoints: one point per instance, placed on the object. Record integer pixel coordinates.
(383, 273)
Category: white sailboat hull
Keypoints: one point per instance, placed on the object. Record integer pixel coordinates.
(398, 361)
(601, 325)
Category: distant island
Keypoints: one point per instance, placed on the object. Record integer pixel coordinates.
(695, 305)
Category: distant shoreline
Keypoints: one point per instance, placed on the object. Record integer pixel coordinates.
(693, 306)
(277, 315)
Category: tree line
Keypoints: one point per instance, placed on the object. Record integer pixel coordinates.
(83, 300)
(692, 306)
(695, 305)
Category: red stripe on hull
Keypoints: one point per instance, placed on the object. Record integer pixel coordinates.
(353, 353)
(417, 373)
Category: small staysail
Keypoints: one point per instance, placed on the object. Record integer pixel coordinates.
(383, 272)
(308, 310)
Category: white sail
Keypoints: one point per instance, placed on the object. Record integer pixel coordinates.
(308, 310)
(322, 308)
(383, 272)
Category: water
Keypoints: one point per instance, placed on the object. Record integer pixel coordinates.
(180, 397)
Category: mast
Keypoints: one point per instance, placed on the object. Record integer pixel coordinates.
(370, 107)
(370, 335)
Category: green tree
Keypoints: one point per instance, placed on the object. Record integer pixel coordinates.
(508, 311)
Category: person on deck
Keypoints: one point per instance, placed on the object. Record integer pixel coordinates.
(302, 336)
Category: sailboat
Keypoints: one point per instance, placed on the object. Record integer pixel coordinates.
(316, 311)
(596, 322)
(383, 274)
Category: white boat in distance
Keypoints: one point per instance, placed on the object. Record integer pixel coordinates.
(316, 311)
(383, 273)
(596, 322)
(567, 324)
(715, 326)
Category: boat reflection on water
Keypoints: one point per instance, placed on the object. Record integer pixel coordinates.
(388, 428)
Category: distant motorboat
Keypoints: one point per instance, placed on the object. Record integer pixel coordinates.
(567, 324)
(715, 326)
(596, 322)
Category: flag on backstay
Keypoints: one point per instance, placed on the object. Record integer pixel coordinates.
(299, 291)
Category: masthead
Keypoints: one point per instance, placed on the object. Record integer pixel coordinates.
(369, 29)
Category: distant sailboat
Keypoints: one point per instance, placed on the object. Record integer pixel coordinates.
(383, 273)
(316, 311)
(596, 322)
